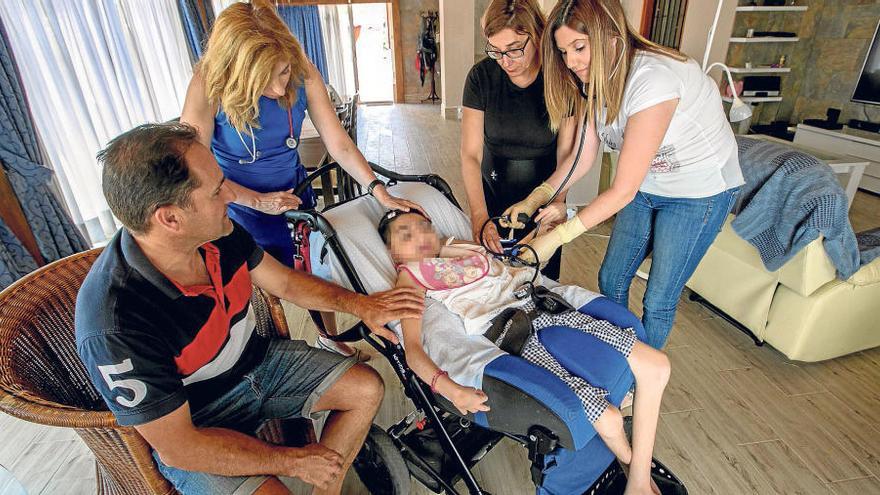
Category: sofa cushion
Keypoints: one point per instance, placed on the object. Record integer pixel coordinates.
(732, 277)
(808, 270)
(867, 275)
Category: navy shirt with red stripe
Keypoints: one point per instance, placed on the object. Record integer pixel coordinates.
(150, 344)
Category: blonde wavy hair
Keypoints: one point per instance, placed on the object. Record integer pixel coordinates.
(247, 41)
(522, 16)
(613, 44)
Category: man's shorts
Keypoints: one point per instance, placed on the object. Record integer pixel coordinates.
(287, 384)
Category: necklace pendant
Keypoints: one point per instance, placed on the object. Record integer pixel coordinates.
(291, 142)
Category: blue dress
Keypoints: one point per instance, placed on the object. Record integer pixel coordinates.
(277, 168)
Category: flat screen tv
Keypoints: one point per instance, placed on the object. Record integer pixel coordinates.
(868, 87)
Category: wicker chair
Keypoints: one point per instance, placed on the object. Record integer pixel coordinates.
(43, 381)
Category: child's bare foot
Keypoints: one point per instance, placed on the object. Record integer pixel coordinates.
(638, 487)
(640, 490)
(655, 488)
(635, 487)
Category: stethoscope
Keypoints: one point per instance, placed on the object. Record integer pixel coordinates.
(291, 141)
(511, 247)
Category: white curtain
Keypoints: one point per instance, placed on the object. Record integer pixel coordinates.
(92, 70)
(336, 31)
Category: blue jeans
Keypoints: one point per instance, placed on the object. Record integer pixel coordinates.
(678, 231)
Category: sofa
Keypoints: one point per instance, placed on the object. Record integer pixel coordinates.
(802, 309)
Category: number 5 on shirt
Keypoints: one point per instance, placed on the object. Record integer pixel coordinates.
(137, 387)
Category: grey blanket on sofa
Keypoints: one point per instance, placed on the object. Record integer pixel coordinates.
(788, 200)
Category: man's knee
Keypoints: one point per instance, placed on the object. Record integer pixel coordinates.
(370, 387)
(359, 388)
(272, 486)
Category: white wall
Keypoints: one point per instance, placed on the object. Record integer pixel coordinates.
(546, 5)
(633, 11)
(456, 52)
(698, 21)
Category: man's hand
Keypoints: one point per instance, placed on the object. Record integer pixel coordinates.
(376, 310)
(276, 203)
(317, 465)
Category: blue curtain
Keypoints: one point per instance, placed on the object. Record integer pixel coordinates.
(55, 233)
(305, 23)
(195, 30)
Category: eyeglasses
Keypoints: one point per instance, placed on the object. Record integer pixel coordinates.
(511, 54)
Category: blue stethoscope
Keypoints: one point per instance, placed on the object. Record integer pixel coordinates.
(291, 141)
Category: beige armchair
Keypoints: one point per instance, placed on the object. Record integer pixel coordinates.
(802, 309)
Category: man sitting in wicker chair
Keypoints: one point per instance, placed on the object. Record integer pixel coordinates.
(165, 328)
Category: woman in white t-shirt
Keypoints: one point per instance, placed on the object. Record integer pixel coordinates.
(678, 172)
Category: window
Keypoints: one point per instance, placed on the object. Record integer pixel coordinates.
(92, 70)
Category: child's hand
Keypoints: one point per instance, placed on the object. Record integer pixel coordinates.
(469, 400)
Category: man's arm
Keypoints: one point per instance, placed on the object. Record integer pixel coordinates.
(182, 445)
(310, 292)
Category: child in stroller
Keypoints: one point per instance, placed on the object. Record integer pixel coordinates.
(478, 288)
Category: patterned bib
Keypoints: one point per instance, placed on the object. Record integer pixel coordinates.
(447, 273)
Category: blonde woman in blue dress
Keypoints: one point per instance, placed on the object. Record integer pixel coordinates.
(248, 98)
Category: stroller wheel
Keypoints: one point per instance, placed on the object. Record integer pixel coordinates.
(380, 465)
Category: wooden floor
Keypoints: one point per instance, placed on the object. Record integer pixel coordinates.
(737, 419)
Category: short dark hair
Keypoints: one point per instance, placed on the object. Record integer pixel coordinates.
(389, 217)
(144, 169)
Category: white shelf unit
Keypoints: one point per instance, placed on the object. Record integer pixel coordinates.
(765, 39)
(759, 70)
(762, 39)
(780, 8)
(753, 99)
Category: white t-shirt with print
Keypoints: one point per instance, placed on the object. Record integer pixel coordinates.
(698, 156)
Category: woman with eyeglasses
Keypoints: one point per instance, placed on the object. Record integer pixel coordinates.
(507, 146)
(248, 98)
(678, 173)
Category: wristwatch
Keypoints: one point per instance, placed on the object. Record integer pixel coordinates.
(373, 185)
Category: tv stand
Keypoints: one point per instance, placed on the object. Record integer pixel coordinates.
(864, 125)
(846, 141)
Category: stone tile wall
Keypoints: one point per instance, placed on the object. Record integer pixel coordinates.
(834, 38)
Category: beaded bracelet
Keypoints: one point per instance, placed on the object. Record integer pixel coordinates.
(436, 377)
